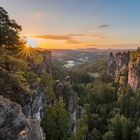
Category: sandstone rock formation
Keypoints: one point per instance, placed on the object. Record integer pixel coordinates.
(70, 103)
(123, 66)
(25, 115)
(34, 108)
(134, 74)
(43, 63)
(65, 91)
(117, 63)
(14, 125)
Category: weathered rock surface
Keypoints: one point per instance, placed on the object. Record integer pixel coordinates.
(134, 74)
(43, 64)
(34, 108)
(70, 104)
(14, 125)
(65, 90)
(30, 101)
(69, 95)
(122, 66)
(117, 63)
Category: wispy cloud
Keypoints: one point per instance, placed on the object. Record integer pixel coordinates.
(66, 38)
(83, 35)
(103, 26)
(71, 38)
(54, 37)
(95, 36)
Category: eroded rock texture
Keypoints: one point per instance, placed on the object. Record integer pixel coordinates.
(134, 74)
(70, 103)
(65, 91)
(117, 63)
(125, 67)
(43, 64)
(14, 125)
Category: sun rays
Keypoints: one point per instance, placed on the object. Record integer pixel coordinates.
(25, 51)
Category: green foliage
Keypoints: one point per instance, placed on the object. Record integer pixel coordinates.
(108, 136)
(81, 130)
(9, 31)
(47, 83)
(103, 94)
(58, 70)
(81, 77)
(32, 77)
(38, 59)
(136, 134)
(110, 114)
(82, 92)
(13, 82)
(93, 67)
(56, 122)
(133, 56)
(121, 127)
(12, 64)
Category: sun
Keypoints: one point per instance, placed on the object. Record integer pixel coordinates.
(32, 42)
(25, 51)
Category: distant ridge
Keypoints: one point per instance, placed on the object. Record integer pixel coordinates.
(65, 51)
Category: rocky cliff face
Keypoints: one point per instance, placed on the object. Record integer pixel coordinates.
(125, 69)
(134, 74)
(41, 62)
(21, 110)
(14, 125)
(34, 108)
(117, 63)
(35, 105)
(21, 120)
(65, 90)
(70, 103)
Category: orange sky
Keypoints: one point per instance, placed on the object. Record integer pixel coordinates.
(79, 42)
(72, 24)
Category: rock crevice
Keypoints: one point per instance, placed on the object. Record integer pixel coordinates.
(14, 125)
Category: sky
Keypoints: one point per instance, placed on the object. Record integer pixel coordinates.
(72, 24)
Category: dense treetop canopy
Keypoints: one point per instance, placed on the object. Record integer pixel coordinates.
(9, 31)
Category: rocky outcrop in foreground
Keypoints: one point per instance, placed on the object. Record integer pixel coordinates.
(14, 125)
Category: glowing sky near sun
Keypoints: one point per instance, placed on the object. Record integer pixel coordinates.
(71, 24)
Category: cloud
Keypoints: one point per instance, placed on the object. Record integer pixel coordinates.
(73, 41)
(66, 38)
(83, 35)
(103, 26)
(88, 35)
(54, 37)
(71, 38)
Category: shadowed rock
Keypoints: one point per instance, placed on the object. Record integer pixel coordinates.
(14, 125)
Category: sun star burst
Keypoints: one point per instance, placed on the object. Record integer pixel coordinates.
(25, 51)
